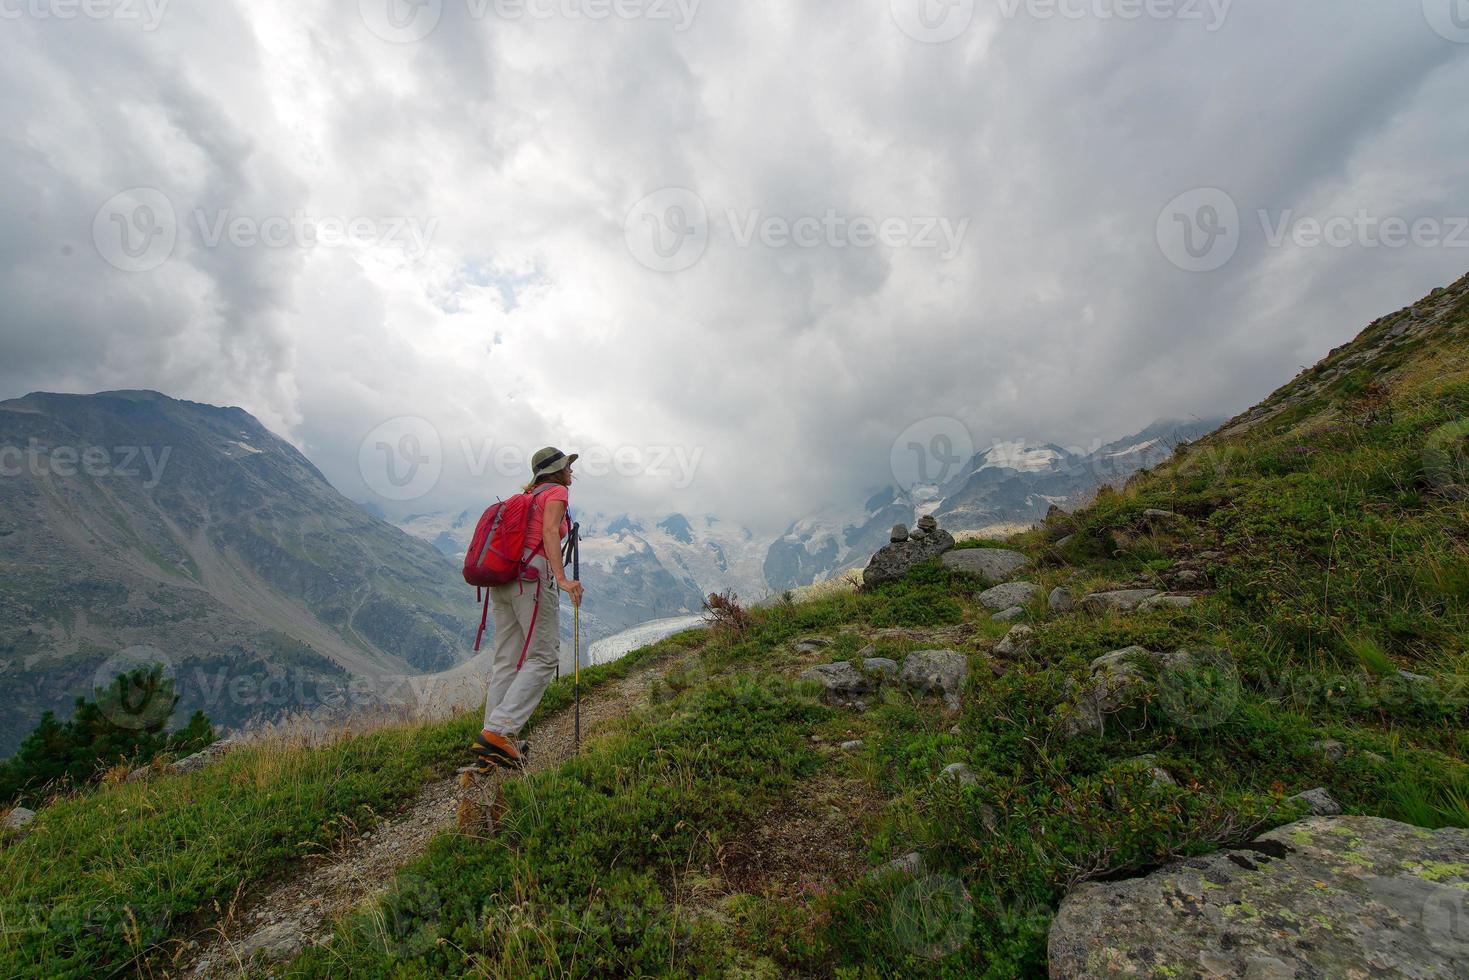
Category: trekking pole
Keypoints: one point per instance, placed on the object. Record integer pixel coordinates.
(576, 626)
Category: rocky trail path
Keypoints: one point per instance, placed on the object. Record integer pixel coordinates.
(299, 911)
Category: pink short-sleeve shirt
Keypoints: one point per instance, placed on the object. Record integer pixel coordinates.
(538, 513)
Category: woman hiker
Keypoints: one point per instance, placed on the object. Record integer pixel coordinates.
(529, 608)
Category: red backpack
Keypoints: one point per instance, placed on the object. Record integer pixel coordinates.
(497, 552)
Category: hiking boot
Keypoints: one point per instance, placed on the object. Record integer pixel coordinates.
(498, 750)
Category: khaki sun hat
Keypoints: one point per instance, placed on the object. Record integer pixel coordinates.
(550, 460)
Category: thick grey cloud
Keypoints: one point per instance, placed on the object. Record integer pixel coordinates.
(514, 148)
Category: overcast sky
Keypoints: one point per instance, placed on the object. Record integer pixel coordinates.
(587, 230)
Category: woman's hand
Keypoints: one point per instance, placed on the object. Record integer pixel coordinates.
(572, 588)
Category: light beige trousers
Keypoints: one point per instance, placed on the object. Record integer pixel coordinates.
(514, 693)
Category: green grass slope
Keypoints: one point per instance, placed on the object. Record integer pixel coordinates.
(731, 826)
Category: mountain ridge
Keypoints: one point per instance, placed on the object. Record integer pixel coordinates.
(137, 520)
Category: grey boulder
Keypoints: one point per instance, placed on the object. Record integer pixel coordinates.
(958, 772)
(898, 558)
(840, 681)
(1167, 602)
(19, 818)
(202, 759)
(1061, 601)
(1008, 596)
(1320, 802)
(1325, 897)
(1016, 641)
(989, 564)
(1013, 614)
(1123, 600)
(941, 672)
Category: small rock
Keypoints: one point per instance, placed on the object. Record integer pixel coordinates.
(1010, 615)
(928, 524)
(840, 681)
(900, 533)
(940, 672)
(1007, 596)
(1061, 601)
(1123, 600)
(988, 564)
(1333, 750)
(1167, 602)
(1160, 777)
(1066, 541)
(199, 760)
(1187, 576)
(852, 746)
(1016, 641)
(909, 864)
(1320, 802)
(1209, 555)
(811, 644)
(881, 665)
(1154, 514)
(274, 943)
(19, 818)
(1408, 675)
(960, 772)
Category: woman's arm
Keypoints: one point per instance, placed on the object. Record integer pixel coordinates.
(551, 544)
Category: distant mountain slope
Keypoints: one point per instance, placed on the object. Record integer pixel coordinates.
(1017, 483)
(133, 519)
(1011, 483)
